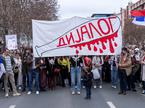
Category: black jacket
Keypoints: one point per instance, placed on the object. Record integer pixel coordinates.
(88, 77)
(74, 63)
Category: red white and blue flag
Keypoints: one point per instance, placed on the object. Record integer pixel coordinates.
(139, 17)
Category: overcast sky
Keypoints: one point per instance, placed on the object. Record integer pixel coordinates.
(85, 8)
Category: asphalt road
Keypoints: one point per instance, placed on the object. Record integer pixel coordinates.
(106, 97)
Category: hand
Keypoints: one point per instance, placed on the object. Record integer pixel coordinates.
(119, 65)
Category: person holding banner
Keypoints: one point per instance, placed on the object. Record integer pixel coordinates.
(9, 75)
(76, 63)
(64, 63)
(50, 75)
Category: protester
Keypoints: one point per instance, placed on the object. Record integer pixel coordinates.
(2, 72)
(57, 72)
(88, 77)
(18, 70)
(95, 71)
(135, 70)
(26, 55)
(114, 71)
(34, 74)
(143, 70)
(124, 70)
(9, 75)
(137, 66)
(98, 62)
(50, 67)
(54, 71)
(68, 71)
(106, 70)
(76, 63)
(64, 63)
(43, 74)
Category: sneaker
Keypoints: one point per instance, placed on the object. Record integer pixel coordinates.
(72, 92)
(120, 93)
(86, 98)
(6, 95)
(114, 87)
(124, 93)
(78, 92)
(143, 92)
(95, 87)
(100, 86)
(37, 92)
(23, 90)
(29, 93)
(20, 88)
(134, 90)
(140, 85)
(128, 89)
(89, 97)
(16, 94)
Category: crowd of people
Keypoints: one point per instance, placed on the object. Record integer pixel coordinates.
(21, 69)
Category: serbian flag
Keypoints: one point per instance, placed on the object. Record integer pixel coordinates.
(139, 17)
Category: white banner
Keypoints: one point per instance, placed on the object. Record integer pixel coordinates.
(77, 36)
(11, 42)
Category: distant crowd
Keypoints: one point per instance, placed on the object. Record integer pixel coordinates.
(20, 69)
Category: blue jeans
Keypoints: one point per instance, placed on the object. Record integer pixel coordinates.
(114, 76)
(33, 74)
(76, 78)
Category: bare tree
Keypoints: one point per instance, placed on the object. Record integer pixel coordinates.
(16, 15)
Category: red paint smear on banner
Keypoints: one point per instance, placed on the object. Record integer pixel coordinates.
(103, 41)
(115, 44)
(101, 51)
(95, 48)
(77, 52)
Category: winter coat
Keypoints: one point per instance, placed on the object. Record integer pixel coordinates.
(126, 64)
(88, 77)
